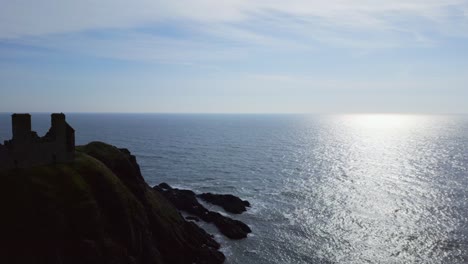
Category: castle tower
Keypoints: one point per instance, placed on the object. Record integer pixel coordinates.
(64, 134)
(59, 125)
(21, 126)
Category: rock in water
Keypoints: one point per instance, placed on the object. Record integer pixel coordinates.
(230, 203)
(231, 228)
(186, 200)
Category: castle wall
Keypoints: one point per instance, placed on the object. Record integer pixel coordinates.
(27, 149)
(35, 153)
(21, 126)
(3, 156)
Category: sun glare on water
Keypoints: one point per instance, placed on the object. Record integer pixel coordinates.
(382, 122)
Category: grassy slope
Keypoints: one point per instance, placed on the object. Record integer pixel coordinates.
(97, 209)
(68, 211)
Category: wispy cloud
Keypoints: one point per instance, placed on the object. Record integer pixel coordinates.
(229, 29)
(300, 84)
(128, 45)
(23, 17)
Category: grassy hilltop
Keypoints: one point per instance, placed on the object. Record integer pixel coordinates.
(97, 209)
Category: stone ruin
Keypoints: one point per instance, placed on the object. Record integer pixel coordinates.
(26, 149)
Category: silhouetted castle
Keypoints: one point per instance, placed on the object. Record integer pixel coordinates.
(27, 149)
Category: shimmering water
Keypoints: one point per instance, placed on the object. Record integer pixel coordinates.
(324, 189)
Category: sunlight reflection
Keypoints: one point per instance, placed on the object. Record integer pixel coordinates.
(376, 187)
(382, 122)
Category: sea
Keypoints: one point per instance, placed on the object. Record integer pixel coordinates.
(361, 188)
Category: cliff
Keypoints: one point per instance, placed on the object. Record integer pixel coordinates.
(96, 209)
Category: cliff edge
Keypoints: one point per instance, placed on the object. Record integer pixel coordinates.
(96, 209)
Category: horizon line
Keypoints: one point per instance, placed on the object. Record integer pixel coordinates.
(246, 113)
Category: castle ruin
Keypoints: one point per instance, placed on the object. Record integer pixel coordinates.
(27, 149)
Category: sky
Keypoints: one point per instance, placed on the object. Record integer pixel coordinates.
(234, 56)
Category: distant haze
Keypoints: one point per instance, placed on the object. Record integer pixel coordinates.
(235, 56)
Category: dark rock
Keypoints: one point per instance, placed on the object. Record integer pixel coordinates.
(165, 186)
(193, 218)
(186, 200)
(229, 202)
(231, 228)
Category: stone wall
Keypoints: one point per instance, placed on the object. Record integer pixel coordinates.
(3, 156)
(26, 149)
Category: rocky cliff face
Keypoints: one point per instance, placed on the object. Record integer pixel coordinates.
(97, 209)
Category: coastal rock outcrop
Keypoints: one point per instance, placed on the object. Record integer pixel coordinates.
(95, 209)
(229, 202)
(186, 200)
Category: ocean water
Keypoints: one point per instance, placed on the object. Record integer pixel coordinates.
(323, 189)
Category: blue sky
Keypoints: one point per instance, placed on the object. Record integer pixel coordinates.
(234, 56)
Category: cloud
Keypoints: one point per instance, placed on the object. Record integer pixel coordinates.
(351, 14)
(26, 17)
(128, 45)
(228, 29)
